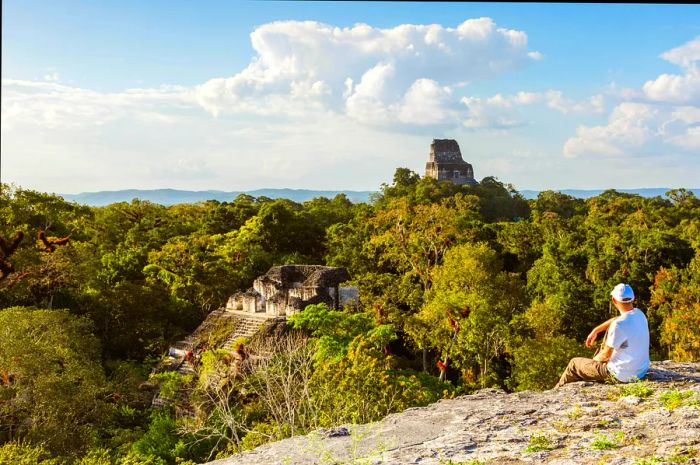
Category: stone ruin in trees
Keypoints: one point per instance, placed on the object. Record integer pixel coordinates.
(288, 289)
(281, 292)
(445, 163)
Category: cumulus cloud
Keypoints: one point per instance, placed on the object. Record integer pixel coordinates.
(675, 88)
(639, 129)
(409, 75)
(375, 75)
(366, 101)
(630, 127)
(662, 117)
(427, 103)
(678, 88)
(310, 97)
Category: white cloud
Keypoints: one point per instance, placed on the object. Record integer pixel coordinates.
(556, 100)
(678, 88)
(401, 76)
(685, 55)
(660, 119)
(683, 128)
(629, 128)
(675, 88)
(306, 102)
(427, 103)
(366, 101)
(501, 112)
(66, 139)
(639, 129)
(375, 75)
(189, 149)
(54, 105)
(526, 98)
(491, 113)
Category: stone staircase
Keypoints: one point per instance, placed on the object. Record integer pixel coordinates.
(176, 361)
(210, 322)
(247, 324)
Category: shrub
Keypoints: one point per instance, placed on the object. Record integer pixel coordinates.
(575, 413)
(604, 441)
(639, 389)
(171, 382)
(13, 453)
(673, 398)
(647, 461)
(362, 387)
(160, 440)
(537, 443)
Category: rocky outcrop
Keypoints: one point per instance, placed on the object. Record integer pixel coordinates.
(652, 422)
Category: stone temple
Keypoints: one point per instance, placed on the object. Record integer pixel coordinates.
(446, 163)
(288, 289)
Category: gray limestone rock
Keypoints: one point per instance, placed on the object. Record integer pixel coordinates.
(580, 423)
(631, 400)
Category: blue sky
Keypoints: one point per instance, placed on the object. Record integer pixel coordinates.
(111, 95)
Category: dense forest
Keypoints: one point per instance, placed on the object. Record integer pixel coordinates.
(461, 287)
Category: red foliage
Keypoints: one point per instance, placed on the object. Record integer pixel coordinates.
(50, 243)
(241, 351)
(8, 249)
(6, 378)
(453, 324)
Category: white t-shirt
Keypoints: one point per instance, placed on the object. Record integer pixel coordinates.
(628, 335)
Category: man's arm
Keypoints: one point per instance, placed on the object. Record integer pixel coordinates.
(590, 340)
(604, 354)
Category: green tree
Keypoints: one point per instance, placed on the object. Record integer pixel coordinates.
(355, 380)
(675, 308)
(364, 385)
(471, 289)
(50, 362)
(541, 352)
(559, 278)
(191, 269)
(498, 201)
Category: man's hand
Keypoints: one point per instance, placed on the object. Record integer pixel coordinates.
(590, 340)
(604, 355)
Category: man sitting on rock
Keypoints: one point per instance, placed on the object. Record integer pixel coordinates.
(624, 354)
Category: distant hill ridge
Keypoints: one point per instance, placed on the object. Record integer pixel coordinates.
(175, 196)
